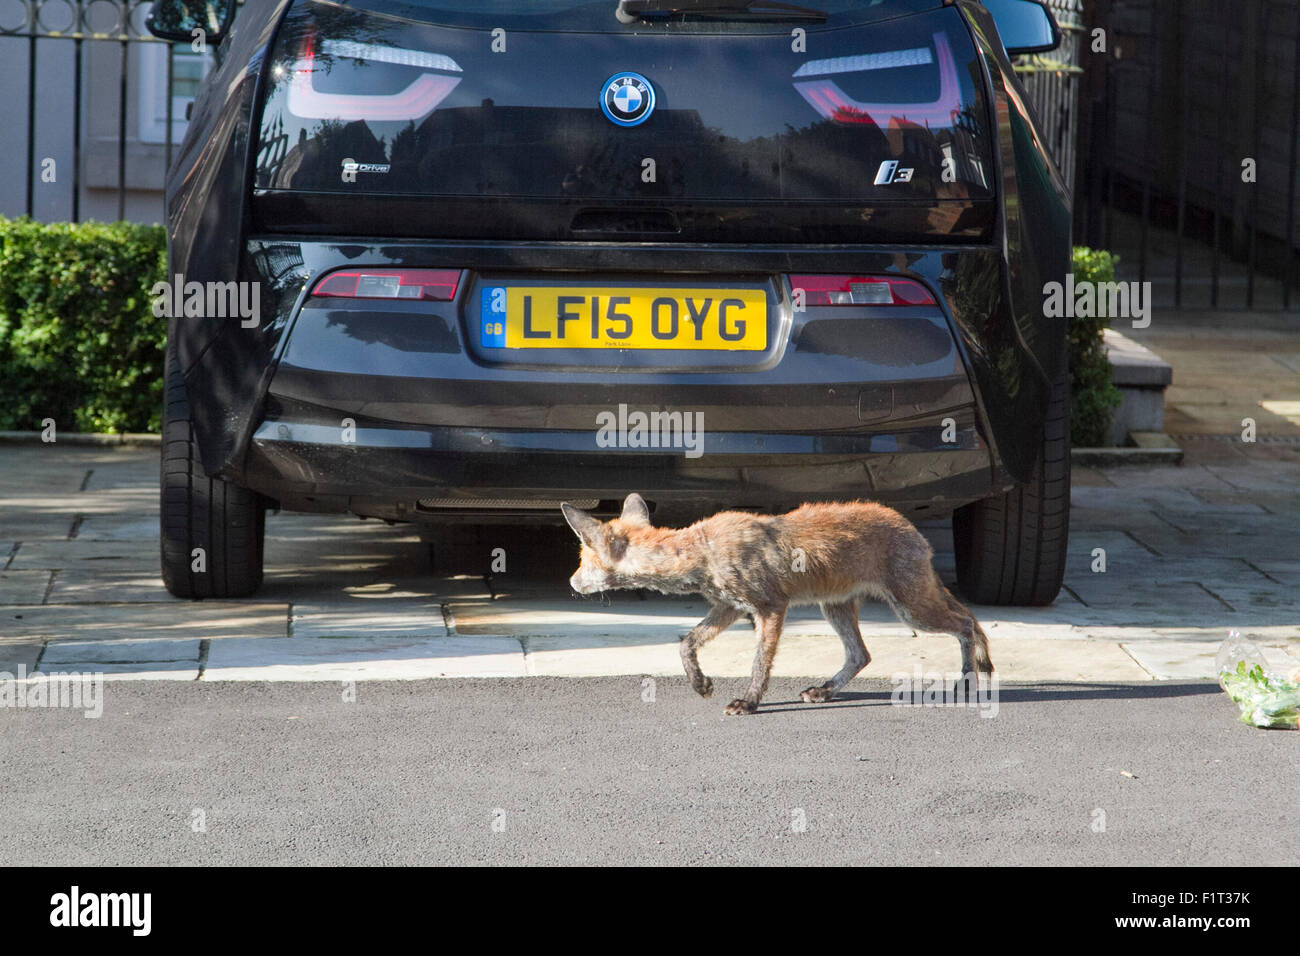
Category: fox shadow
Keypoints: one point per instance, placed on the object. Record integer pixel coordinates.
(1007, 694)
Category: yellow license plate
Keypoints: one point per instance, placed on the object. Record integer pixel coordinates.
(565, 317)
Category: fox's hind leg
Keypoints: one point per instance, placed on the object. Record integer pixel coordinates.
(719, 618)
(844, 618)
(923, 602)
(768, 623)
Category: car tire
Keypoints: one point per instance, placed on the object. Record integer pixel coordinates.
(1011, 549)
(226, 521)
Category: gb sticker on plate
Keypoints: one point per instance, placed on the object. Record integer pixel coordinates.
(493, 315)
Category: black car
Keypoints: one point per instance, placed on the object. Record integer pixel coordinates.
(487, 256)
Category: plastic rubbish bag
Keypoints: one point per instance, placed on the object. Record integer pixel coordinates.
(1265, 699)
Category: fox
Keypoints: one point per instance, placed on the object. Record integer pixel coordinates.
(829, 554)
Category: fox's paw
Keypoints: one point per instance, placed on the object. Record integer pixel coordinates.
(968, 686)
(703, 687)
(740, 706)
(816, 695)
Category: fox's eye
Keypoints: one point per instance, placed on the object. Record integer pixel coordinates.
(617, 546)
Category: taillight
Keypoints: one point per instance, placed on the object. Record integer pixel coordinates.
(814, 84)
(859, 290)
(418, 99)
(437, 284)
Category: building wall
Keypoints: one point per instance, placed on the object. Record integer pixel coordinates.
(52, 105)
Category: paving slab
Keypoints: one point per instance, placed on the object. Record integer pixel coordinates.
(1152, 479)
(1147, 600)
(324, 659)
(1117, 542)
(622, 616)
(109, 671)
(1279, 476)
(119, 527)
(89, 555)
(1254, 545)
(39, 504)
(426, 588)
(55, 480)
(1218, 523)
(14, 655)
(111, 584)
(129, 470)
(1179, 499)
(1185, 660)
(1166, 568)
(373, 617)
(24, 587)
(26, 526)
(73, 652)
(586, 656)
(201, 620)
(1282, 571)
(1000, 630)
(1258, 601)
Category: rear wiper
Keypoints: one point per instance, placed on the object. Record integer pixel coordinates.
(630, 11)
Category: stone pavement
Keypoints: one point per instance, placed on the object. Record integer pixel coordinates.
(1190, 552)
(1227, 367)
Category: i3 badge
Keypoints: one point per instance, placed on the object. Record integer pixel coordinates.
(627, 99)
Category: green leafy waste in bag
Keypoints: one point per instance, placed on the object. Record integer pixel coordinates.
(1265, 700)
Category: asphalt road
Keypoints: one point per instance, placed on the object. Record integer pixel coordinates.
(557, 771)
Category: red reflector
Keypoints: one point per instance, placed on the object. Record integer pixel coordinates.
(859, 290)
(437, 284)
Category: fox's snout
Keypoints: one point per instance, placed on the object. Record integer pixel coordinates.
(584, 581)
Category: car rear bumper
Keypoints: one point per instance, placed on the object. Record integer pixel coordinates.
(410, 473)
(372, 406)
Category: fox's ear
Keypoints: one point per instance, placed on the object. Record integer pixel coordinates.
(635, 510)
(584, 525)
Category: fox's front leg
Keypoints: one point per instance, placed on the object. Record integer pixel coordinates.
(719, 618)
(768, 624)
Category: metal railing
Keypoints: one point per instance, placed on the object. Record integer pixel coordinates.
(1051, 81)
(38, 25)
(1188, 163)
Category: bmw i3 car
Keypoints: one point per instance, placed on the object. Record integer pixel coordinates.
(473, 258)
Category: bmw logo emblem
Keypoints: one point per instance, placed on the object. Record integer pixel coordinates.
(627, 99)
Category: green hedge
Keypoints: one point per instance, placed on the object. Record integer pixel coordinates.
(79, 342)
(1093, 394)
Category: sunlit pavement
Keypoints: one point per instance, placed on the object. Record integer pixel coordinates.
(1190, 552)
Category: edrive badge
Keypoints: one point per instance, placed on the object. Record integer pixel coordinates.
(627, 99)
